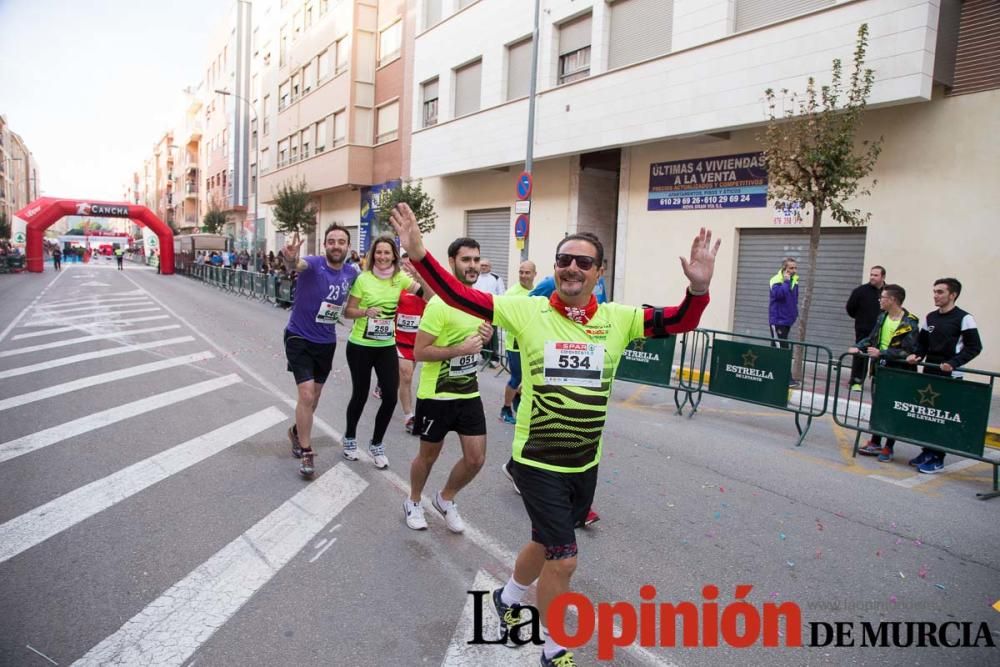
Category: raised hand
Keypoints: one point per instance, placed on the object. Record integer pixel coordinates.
(700, 267)
(293, 247)
(404, 223)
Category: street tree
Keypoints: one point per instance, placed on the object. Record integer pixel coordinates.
(293, 209)
(411, 193)
(814, 161)
(214, 221)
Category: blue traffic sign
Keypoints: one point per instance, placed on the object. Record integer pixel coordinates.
(521, 227)
(524, 183)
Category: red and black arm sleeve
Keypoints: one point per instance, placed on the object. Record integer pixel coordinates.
(658, 322)
(452, 292)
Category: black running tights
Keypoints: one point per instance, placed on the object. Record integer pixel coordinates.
(361, 360)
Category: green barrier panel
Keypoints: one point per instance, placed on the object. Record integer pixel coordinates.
(749, 372)
(939, 410)
(285, 290)
(271, 286)
(946, 413)
(648, 361)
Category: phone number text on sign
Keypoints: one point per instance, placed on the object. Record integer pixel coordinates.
(727, 181)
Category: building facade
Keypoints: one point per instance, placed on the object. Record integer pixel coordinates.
(18, 178)
(630, 91)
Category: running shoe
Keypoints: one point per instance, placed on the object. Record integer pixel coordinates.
(507, 415)
(351, 449)
(414, 513)
(592, 518)
(306, 467)
(505, 468)
(870, 448)
(856, 387)
(378, 455)
(293, 437)
(931, 467)
(510, 617)
(561, 659)
(451, 516)
(885, 455)
(920, 459)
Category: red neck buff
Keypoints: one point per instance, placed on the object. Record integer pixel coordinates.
(575, 313)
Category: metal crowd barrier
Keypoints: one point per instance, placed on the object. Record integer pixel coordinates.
(251, 284)
(658, 363)
(950, 414)
(758, 370)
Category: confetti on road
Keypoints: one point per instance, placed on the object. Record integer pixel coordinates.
(781, 535)
(941, 586)
(892, 599)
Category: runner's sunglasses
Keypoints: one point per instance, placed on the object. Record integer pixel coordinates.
(583, 262)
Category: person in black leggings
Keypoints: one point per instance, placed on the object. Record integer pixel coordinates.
(372, 304)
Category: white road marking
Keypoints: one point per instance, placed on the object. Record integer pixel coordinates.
(94, 380)
(85, 339)
(923, 478)
(87, 326)
(35, 650)
(462, 654)
(34, 527)
(50, 436)
(94, 283)
(323, 550)
(96, 317)
(172, 627)
(104, 298)
(24, 312)
(102, 307)
(485, 542)
(96, 354)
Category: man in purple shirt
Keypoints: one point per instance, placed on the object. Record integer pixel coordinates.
(321, 291)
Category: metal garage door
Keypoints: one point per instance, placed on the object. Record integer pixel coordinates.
(492, 228)
(841, 269)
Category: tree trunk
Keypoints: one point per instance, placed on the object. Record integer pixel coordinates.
(809, 278)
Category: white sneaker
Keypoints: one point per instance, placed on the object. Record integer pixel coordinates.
(378, 454)
(506, 473)
(351, 449)
(451, 516)
(414, 515)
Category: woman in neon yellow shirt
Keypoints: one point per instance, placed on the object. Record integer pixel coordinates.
(372, 304)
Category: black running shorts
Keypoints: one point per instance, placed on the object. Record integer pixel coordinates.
(556, 502)
(436, 417)
(308, 360)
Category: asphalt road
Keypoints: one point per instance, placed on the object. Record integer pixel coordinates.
(151, 511)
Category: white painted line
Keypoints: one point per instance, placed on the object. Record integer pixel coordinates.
(172, 627)
(462, 654)
(34, 301)
(34, 527)
(323, 550)
(923, 478)
(87, 302)
(50, 436)
(87, 326)
(97, 316)
(94, 380)
(105, 298)
(85, 339)
(485, 542)
(96, 354)
(138, 301)
(35, 650)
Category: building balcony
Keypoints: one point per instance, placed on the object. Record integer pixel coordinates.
(700, 88)
(324, 169)
(190, 190)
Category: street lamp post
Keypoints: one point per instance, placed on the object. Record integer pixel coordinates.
(256, 185)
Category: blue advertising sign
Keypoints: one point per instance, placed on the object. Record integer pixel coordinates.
(724, 181)
(369, 202)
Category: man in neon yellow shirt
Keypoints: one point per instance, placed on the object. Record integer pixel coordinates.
(526, 282)
(571, 347)
(449, 342)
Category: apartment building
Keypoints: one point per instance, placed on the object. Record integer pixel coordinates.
(187, 206)
(18, 178)
(331, 85)
(632, 90)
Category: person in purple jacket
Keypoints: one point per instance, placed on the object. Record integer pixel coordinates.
(783, 305)
(311, 335)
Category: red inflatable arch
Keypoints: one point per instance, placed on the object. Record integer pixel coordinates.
(40, 214)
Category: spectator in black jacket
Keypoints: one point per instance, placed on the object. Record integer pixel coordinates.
(948, 337)
(863, 308)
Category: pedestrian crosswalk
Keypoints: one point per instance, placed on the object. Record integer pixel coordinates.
(60, 399)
